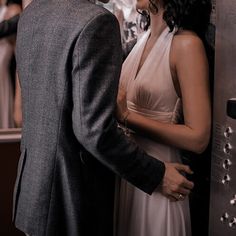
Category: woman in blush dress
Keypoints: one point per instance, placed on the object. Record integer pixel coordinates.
(8, 9)
(164, 101)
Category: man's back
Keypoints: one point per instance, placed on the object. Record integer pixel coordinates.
(49, 185)
(48, 31)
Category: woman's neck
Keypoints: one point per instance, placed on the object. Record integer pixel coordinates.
(157, 24)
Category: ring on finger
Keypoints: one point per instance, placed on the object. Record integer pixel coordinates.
(180, 196)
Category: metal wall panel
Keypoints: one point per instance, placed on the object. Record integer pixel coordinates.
(223, 168)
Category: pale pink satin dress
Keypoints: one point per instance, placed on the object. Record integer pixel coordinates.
(151, 93)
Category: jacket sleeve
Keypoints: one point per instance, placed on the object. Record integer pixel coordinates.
(97, 60)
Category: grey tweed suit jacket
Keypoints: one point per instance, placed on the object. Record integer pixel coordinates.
(69, 60)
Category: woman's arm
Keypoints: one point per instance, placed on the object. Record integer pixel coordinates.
(12, 10)
(190, 65)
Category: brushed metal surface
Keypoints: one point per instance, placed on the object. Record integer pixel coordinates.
(224, 144)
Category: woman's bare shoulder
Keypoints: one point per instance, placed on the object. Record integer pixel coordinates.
(185, 40)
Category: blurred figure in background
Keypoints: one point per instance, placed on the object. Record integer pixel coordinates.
(8, 27)
(126, 14)
(8, 9)
(130, 23)
(17, 102)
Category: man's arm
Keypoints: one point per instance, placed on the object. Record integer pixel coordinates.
(97, 62)
(9, 27)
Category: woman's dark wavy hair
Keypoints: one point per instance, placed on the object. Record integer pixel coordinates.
(19, 2)
(188, 14)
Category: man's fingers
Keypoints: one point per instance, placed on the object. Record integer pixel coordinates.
(187, 184)
(184, 168)
(174, 183)
(172, 196)
(183, 191)
(176, 197)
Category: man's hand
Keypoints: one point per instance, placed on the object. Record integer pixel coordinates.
(174, 185)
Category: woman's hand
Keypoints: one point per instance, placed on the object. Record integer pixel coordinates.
(121, 108)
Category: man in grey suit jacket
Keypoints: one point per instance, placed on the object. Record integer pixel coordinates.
(69, 61)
